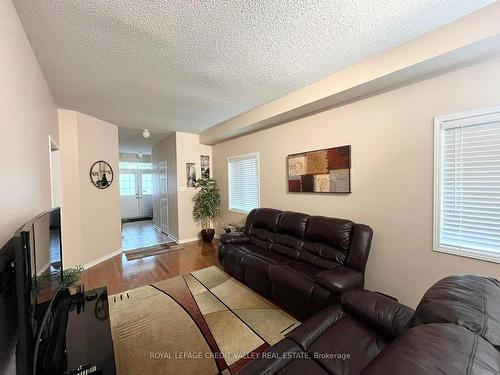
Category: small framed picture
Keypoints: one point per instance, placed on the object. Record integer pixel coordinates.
(205, 166)
(190, 175)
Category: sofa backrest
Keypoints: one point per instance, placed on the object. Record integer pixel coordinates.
(436, 349)
(263, 226)
(321, 241)
(289, 237)
(361, 240)
(455, 330)
(326, 242)
(470, 301)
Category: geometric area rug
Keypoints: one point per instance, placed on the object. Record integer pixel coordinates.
(205, 322)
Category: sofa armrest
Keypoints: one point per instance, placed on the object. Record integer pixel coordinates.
(273, 360)
(381, 312)
(340, 279)
(305, 334)
(234, 238)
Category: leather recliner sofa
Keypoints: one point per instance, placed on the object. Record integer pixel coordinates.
(302, 262)
(454, 330)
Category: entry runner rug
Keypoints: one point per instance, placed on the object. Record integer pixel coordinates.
(205, 322)
(149, 251)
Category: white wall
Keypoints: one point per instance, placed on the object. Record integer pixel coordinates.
(91, 219)
(391, 135)
(28, 115)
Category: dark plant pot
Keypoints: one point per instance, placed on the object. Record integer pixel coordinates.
(207, 235)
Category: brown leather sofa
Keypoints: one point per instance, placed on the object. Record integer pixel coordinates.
(454, 330)
(302, 262)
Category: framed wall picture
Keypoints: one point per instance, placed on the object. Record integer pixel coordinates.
(190, 175)
(205, 166)
(321, 171)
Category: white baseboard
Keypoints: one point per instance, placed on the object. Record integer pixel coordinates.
(103, 258)
(186, 240)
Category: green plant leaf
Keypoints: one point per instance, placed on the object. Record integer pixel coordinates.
(207, 202)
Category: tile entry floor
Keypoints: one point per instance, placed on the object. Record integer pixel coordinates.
(141, 234)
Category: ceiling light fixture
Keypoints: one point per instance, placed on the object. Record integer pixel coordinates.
(146, 133)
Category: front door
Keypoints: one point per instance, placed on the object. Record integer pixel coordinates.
(162, 176)
(136, 189)
(129, 198)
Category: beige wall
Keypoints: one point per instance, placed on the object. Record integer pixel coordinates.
(189, 150)
(392, 173)
(178, 149)
(28, 115)
(90, 216)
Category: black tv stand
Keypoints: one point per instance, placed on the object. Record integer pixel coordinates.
(82, 329)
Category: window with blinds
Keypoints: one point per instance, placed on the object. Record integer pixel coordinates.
(243, 182)
(467, 191)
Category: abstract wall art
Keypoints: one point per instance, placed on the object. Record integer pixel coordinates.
(320, 171)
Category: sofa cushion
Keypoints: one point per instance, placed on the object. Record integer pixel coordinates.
(235, 237)
(293, 223)
(261, 238)
(266, 218)
(437, 349)
(293, 288)
(302, 366)
(321, 255)
(260, 260)
(470, 301)
(347, 346)
(333, 232)
(299, 269)
(287, 245)
(340, 279)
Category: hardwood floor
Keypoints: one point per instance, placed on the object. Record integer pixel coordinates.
(118, 274)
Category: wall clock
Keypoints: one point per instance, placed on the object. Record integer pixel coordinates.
(101, 174)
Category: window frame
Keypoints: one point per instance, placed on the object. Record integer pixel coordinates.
(462, 118)
(144, 173)
(229, 158)
(128, 186)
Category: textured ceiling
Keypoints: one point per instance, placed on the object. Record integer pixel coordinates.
(187, 65)
(132, 141)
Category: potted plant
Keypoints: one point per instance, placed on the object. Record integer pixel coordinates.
(207, 206)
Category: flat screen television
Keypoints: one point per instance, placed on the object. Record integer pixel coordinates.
(31, 274)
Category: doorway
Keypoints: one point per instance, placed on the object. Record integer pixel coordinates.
(55, 173)
(136, 190)
(136, 200)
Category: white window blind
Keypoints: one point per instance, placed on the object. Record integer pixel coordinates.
(243, 181)
(468, 217)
